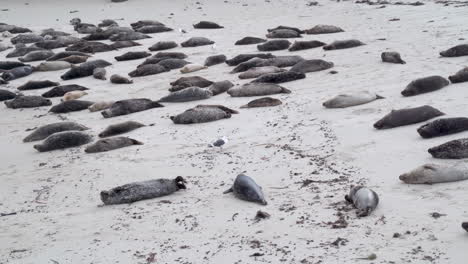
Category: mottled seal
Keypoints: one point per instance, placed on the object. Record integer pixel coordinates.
(196, 41)
(118, 79)
(101, 105)
(75, 59)
(154, 29)
(21, 51)
(207, 25)
(125, 107)
(53, 66)
(280, 61)
(63, 89)
(257, 89)
(26, 38)
(17, 73)
(443, 126)
(323, 29)
(460, 76)
(250, 41)
(457, 51)
(149, 69)
(174, 55)
(259, 71)
(37, 55)
(128, 36)
(187, 95)
(245, 188)
(245, 57)
(113, 143)
(70, 106)
(163, 45)
(84, 69)
(283, 33)
(90, 47)
(73, 95)
(8, 65)
(203, 114)
(262, 102)
(343, 44)
(4, 46)
(137, 191)
(214, 60)
(107, 23)
(302, 45)
(62, 140)
(132, 55)
(28, 101)
(172, 64)
(351, 99)
(454, 149)
(311, 66)
(120, 128)
(65, 54)
(407, 116)
(392, 57)
(185, 82)
(99, 73)
(142, 23)
(364, 199)
(425, 85)
(220, 87)
(192, 68)
(280, 77)
(435, 173)
(300, 31)
(6, 95)
(272, 45)
(124, 44)
(47, 130)
(32, 85)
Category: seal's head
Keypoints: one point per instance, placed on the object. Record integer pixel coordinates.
(39, 147)
(419, 175)
(180, 182)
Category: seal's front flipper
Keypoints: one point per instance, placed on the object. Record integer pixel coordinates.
(228, 191)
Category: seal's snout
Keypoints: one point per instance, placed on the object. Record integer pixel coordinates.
(180, 182)
(378, 125)
(264, 202)
(37, 147)
(104, 196)
(403, 177)
(105, 114)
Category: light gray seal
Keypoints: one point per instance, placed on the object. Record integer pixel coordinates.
(187, 95)
(460, 76)
(99, 73)
(343, 44)
(70, 106)
(245, 188)
(351, 99)
(273, 45)
(132, 55)
(435, 173)
(47, 130)
(6, 95)
(392, 57)
(214, 60)
(262, 102)
(61, 90)
(250, 41)
(62, 140)
(113, 143)
(323, 29)
(454, 149)
(118, 79)
(457, 51)
(259, 71)
(257, 89)
(196, 41)
(53, 66)
(364, 200)
(220, 87)
(443, 127)
(75, 59)
(207, 25)
(28, 101)
(120, 128)
(311, 66)
(137, 191)
(125, 107)
(163, 45)
(280, 77)
(17, 73)
(425, 85)
(283, 33)
(32, 85)
(37, 55)
(84, 69)
(407, 116)
(203, 114)
(302, 45)
(148, 69)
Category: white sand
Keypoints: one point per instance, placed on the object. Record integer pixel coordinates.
(59, 218)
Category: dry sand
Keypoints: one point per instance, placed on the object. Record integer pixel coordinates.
(56, 195)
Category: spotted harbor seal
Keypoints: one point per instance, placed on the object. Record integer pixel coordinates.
(128, 36)
(120, 128)
(250, 41)
(154, 29)
(84, 69)
(245, 188)
(63, 89)
(163, 45)
(125, 107)
(65, 54)
(259, 71)
(364, 200)
(6, 95)
(113, 143)
(21, 51)
(99, 73)
(392, 57)
(108, 23)
(246, 57)
(311, 66)
(26, 38)
(28, 101)
(17, 73)
(343, 44)
(32, 85)
(280, 61)
(124, 44)
(351, 99)
(47, 130)
(142, 23)
(148, 69)
(214, 60)
(132, 55)
(206, 25)
(90, 47)
(299, 31)
(53, 66)
(73, 95)
(192, 68)
(425, 85)
(460, 76)
(4, 46)
(257, 89)
(185, 82)
(118, 79)
(187, 95)
(323, 29)
(8, 65)
(454, 149)
(272, 45)
(220, 87)
(101, 105)
(435, 173)
(280, 77)
(172, 64)
(302, 45)
(37, 55)
(62, 140)
(137, 191)
(173, 55)
(196, 42)
(457, 51)
(443, 126)
(407, 116)
(203, 114)
(75, 59)
(70, 106)
(262, 102)
(283, 33)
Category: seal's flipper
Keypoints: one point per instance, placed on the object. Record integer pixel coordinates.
(348, 199)
(228, 191)
(379, 96)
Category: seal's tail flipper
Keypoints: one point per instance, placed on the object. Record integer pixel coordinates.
(228, 191)
(379, 97)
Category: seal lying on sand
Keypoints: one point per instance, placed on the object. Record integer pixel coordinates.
(53, 66)
(37, 55)
(187, 95)
(203, 114)
(434, 173)
(262, 102)
(196, 41)
(192, 68)
(299, 31)
(302, 45)
(283, 33)
(47, 130)
(245, 57)
(245, 188)
(257, 89)
(454, 149)
(8, 65)
(249, 41)
(457, 51)
(132, 55)
(343, 44)
(407, 116)
(29, 101)
(392, 57)
(163, 45)
(216, 59)
(351, 99)
(137, 191)
(73, 95)
(101, 105)
(220, 87)
(425, 85)
(280, 77)
(100, 73)
(185, 82)
(118, 79)
(17, 73)
(120, 128)
(65, 139)
(148, 69)
(63, 89)
(207, 25)
(70, 106)
(324, 29)
(365, 200)
(273, 45)
(32, 85)
(84, 69)
(109, 144)
(125, 107)
(306, 66)
(259, 71)
(443, 126)
(460, 76)
(6, 95)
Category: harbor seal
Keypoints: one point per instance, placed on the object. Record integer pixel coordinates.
(128, 36)
(323, 29)
(125, 107)
(101, 105)
(203, 114)
(214, 60)
(465, 226)
(142, 23)
(343, 44)
(299, 31)
(457, 51)
(163, 45)
(435, 173)
(249, 41)
(245, 188)
(454, 149)
(26, 39)
(84, 69)
(137, 191)
(351, 99)
(246, 57)
(192, 68)
(280, 77)
(460, 76)
(17, 73)
(62, 90)
(36, 55)
(185, 82)
(6, 95)
(392, 57)
(302, 45)
(113, 143)
(280, 61)
(148, 69)
(120, 128)
(21, 51)
(306, 66)
(407, 116)
(220, 87)
(73, 95)
(364, 200)
(53, 66)
(32, 85)
(124, 44)
(132, 55)
(283, 33)
(273, 45)
(172, 64)
(108, 23)
(4, 46)
(187, 95)
(8, 65)
(90, 47)
(262, 102)
(65, 54)
(27, 101)
(443, 126)
(47, 130)
(75, 59)
(196, 42)
(70, 106)
(154, 29)
(256, 89)
(62, 140)
(206, 25)
(259, 71)
(118, 79)
(425, 85)
(173, 55)
(99, 73)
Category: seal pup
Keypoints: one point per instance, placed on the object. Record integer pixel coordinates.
(460, 76)
(6, 95)
(259, 71)
(17, 73)
(113, 143)
(84, 69)
(47, 130)
(249, 41)
(245, 57)
(37, 55)
(32, 85)
(187, 95)
(124, 44)
(443, 126)
(454, 149)
(148, 69)
(27, 101)
(125, 107)
(425, 85)
(196, 42)
(185, 82)
(262, 102)
(118, 79)
(323, 29)
(206, 25)
(163, 45)
(351, 99)
(435, 173)
(70, 106)
(457, 51)
(101, 105)
(245, 188)
(343, 44)
(62, 90)
(53, 66)
(8, 65)
(99, 73)
(280, 77)
(220, 87)
(132, 55)
(392, 57)
(407, 116)
(120, 128)
(214, 60)
(306, 66)
(272, 45)
(73, 95)
(283, 33)
(203, 114)
(192, 68)
(257, 89)
(62, 140)
(137, 191)
(364, 200)
(302, 45)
